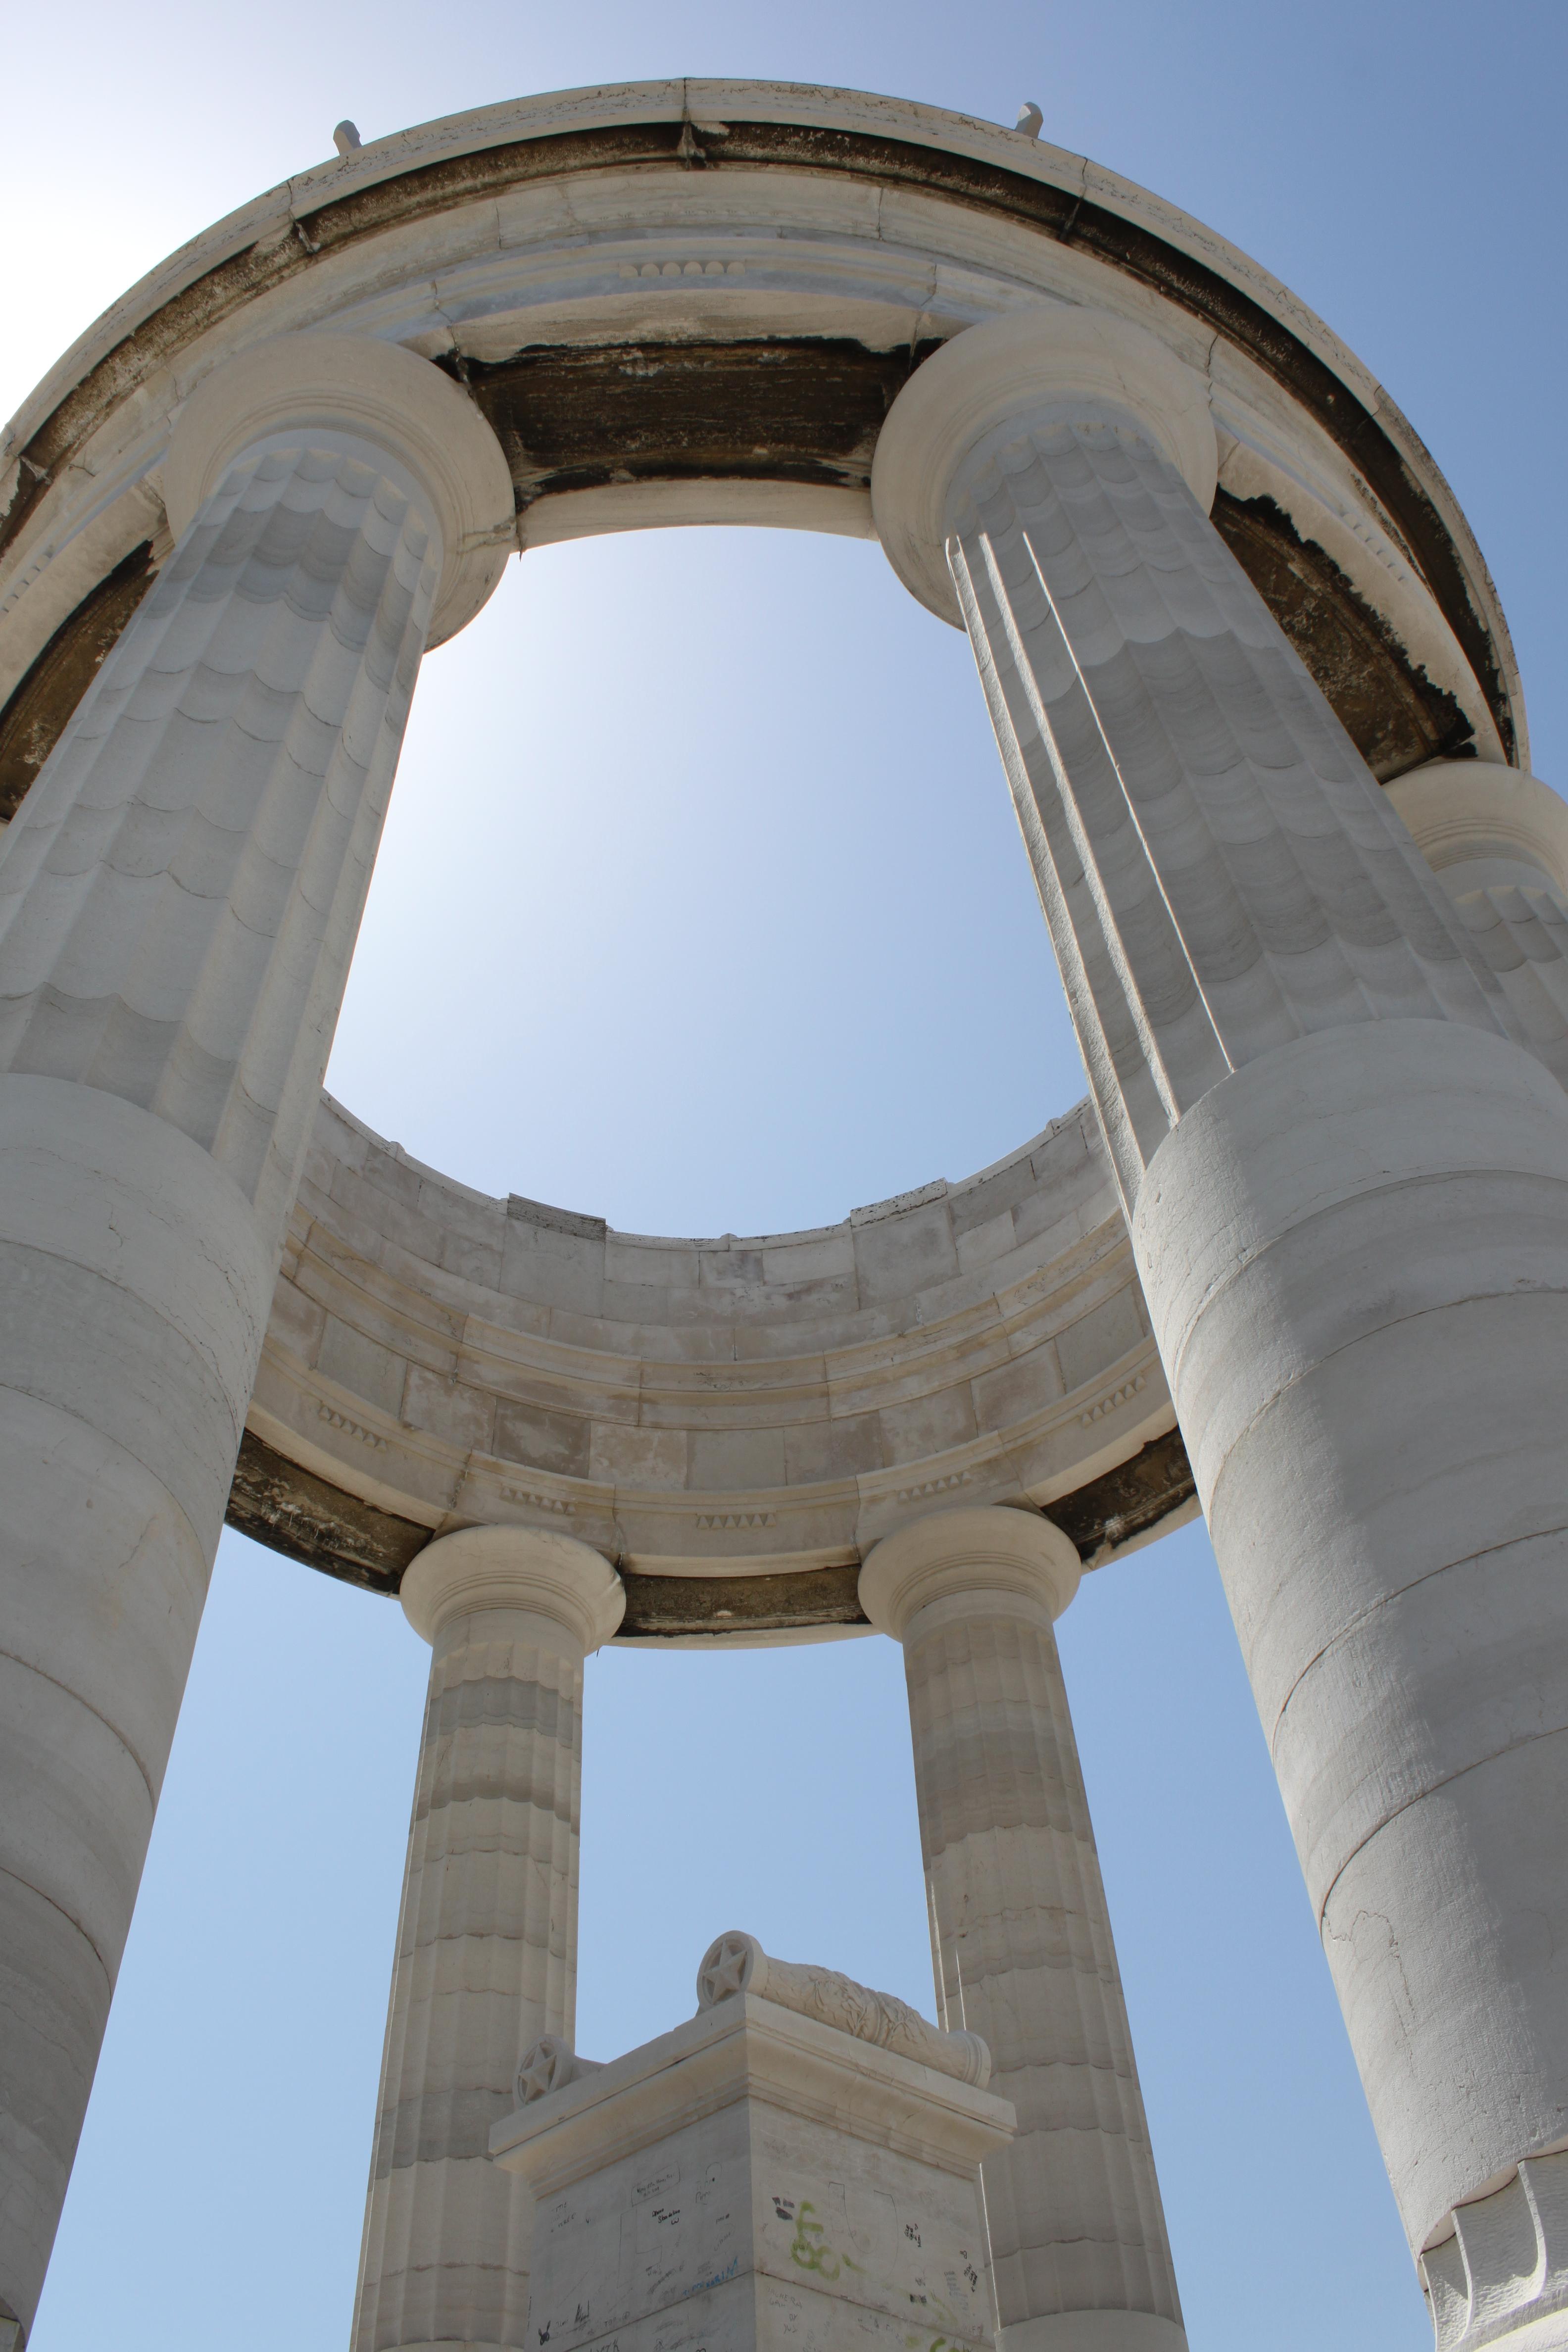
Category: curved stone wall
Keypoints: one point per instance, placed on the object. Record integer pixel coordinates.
(704, 1411)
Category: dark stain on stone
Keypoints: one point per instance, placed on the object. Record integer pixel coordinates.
(777, 409)
(34, 717)
(292, 1511)
(1392, 711)
(805, 411)
(674, 1608)
(298, 243)
(1129, 1500)
(297, 1513)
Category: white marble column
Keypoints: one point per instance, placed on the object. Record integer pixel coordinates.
(486, 1941)
(179, 897)
(1347, 1182)
(1021, 1942)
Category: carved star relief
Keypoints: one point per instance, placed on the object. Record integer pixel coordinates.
(726, 1970)
(546, 2068)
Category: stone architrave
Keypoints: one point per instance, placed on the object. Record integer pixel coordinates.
(178, 902)
(486, 1941)
(1347, 1186)
(759, 2177)
(1021, 1941)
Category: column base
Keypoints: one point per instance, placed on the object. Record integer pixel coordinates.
(1502, 2277)
(1093, 2331)
(1548, 2334)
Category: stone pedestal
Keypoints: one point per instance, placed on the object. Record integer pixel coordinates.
(1021, 1940)
(487, 1940)
(760, 2178)
(179, 897)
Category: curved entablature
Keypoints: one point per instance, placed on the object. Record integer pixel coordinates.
(733, 1421)
(737, 1422)
(687, 302)
(695, 301)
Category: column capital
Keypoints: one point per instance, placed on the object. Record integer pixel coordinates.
(550, 1576)
(1477, 823)
(1053, 362)
(383, 394)
(987, 1556)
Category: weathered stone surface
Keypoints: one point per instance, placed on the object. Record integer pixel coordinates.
(1394, 714)
(1021, 1941)
(37, 711)
(487, 1939)
(982, 190)
(760, 2175)
(1329, 1083)
(1319, 1057)
(275, 1503)
(178, 902)
(1218, 869)
(776, 1402)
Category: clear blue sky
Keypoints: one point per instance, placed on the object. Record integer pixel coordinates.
(702, 906)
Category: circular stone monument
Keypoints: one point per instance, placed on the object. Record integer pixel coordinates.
(1301, 1257)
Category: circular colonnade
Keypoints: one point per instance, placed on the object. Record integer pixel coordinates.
(1218, 594)
(684, 303)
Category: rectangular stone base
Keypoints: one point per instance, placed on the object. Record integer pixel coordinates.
(756, 2179)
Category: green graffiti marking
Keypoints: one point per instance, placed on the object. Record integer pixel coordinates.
(810, 2250)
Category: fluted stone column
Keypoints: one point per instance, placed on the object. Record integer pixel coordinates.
(486, 1941)
(1021, 1942)
(1347, 1184)
(179, 897)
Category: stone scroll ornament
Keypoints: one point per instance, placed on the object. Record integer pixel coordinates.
(736, 1963)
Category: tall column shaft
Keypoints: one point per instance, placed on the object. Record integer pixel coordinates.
(486, 1941)
(1021, 1939)
(1348, 1194)
(181, 890)
(179, 897)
